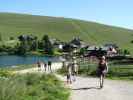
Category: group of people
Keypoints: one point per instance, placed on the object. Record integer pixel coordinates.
(46, 66)
(72, 69)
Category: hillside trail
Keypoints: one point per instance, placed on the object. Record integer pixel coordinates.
(87, 88)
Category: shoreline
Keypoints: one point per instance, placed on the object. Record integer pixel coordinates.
(34, 69)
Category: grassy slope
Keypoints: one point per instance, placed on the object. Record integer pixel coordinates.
(64, 29)
(32, 87)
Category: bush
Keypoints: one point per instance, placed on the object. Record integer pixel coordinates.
(4, 73)
(11, 38)
(126, 52)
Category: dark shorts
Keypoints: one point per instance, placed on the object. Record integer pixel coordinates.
(100, 72)
(68, 76)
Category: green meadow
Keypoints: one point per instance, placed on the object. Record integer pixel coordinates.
(115, 71)
(32, 87)
(13, 25)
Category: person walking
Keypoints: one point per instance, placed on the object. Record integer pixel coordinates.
(102, 69)
(49, 66)
(39, 65)
(45, 66)
(69, 73)
(74, 68)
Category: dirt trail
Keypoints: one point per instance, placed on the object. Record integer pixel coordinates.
(88, 89)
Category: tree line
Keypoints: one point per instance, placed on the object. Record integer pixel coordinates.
(28, 43)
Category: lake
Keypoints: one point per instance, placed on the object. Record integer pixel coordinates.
(11, 60)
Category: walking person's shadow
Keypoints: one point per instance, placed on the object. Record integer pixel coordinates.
(86, 88)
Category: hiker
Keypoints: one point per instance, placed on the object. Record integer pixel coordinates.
(74, 68)
(63, 64)
(102, 66)
(42, 65)
(49, 66)
(39, 65)
(45, 66)
(69, 73)
(75, 64)
(102, 70)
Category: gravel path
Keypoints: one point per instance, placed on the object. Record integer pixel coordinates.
(88, 89)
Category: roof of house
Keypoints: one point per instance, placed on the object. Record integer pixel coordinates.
(90, 48)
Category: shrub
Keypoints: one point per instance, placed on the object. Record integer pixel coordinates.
(11, 38)
(4, 73)
(126, 52)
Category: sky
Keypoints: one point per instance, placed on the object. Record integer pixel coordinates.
(112, 12)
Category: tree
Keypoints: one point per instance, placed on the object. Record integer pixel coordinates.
(82, 51)
(48, 47)
(22, 48)
(34, 45)
(126, 52)
(27, 43)
(22, 38)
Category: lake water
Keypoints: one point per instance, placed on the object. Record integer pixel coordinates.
(11, 60)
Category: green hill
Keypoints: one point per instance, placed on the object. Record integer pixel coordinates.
(12, 24)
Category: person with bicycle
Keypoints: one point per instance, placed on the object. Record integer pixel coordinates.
(74, 68)
(102, 69)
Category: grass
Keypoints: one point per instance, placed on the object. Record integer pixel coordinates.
(124, 72)
(16, 68)
(32, 87)
(121, 72)
(13, 25)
